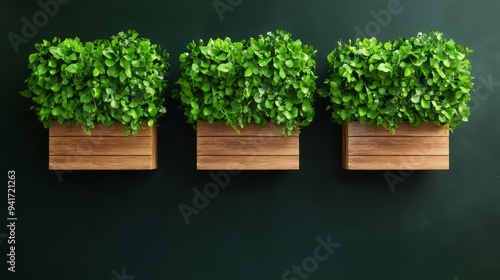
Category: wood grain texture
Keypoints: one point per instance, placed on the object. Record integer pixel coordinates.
(345, 160)
(398, 163)
(393, 146)
(101, 163)
(404, 129)
(248, 163)
(107, 148)
(116, 130)
(252, 129)
(154, 146)
(255, 148)
(425, 147)
(227, 146)
(93, 145)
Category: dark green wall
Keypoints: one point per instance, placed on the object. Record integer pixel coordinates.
(87, 225)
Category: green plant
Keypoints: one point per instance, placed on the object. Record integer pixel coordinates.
(421, 79)
(103, 81)
(270, 78)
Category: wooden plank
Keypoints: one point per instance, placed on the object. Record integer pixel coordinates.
(116, 130)
(247, 146)
(404, 129)
(398, 146)
(425, 147)
(270, 129)
(344, 146)
(100, 145)
(100, 163)
(248, 162)
(255, 148)
(154, 146)
(397, 163)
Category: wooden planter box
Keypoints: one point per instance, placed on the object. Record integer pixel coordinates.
(255, 148)
(366, 147)
(107, 148)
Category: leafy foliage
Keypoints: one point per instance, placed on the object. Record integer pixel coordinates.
(103, 81)
(270, 78)
(421, 79)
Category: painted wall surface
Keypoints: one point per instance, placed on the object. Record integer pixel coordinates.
(321, 222)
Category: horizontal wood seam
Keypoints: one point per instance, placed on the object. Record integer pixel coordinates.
(255, 136)
(396, 136)
(95, 136)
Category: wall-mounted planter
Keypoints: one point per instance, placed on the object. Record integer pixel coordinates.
(365, 147)
(255, 148)
(107, 148)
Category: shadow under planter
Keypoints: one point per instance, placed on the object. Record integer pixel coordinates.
(107, 148)
(220, 147)
(425, 147)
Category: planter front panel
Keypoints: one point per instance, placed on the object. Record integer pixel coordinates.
(107, 148)
(366, 147)
(254, 148)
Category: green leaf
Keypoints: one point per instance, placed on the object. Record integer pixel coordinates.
(52, 63)
(264, 62)
(56, 111)
(134, 114)
(72, 68)
(346, 98)
(27, 93)
(96, 93)
(114, 104)
(114, 72)
(449, 113)
(282, 73)
(33, 57)
(372, 114)
(152, 110)
(415, 98)
(306, 106)
(257, 97)
(207, 111)
(122, 76)
(362, 111)
(110, 62)
(224, 67)
(425, 104)
(134, 104)
(108, 53)
(56, 87)
(268, 104)
(128, 72)
(206, 87)
(384, 67)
